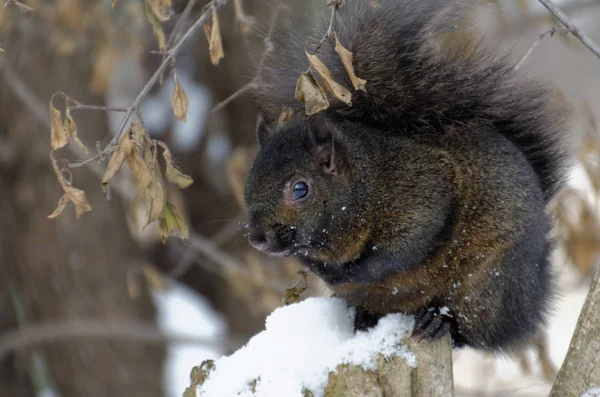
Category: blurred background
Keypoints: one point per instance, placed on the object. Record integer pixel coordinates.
(85, 303)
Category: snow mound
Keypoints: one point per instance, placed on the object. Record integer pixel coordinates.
(595, 392)
(302, 343)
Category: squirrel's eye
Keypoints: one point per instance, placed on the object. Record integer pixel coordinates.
(299, 191)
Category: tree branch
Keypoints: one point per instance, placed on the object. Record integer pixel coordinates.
(170, 55)
(269, 47)
(33, 335)
(550, 32)
(558, 14)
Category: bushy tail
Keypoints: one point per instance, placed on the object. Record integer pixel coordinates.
(424, 72)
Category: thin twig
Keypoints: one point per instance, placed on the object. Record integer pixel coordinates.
(170, 55)
(37, 334)
(550, 32)
(250, 86)
(554, 10)
(31, 102)
(269, 47)
(79, 106)
(334, 4)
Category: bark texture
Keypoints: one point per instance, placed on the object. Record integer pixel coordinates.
(580, 371)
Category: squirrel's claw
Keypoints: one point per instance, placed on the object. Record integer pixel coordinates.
(431, 325)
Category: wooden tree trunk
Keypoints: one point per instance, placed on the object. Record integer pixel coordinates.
(581, 369)
(65, 269)
(394, 378)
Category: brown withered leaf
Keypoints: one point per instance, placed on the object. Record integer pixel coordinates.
(161, 8)
(73, 195)
(213, 35)
(141, 140)
(117, 158)
(156, 28)
(174, 176)
(172, 224)
(71, 129)
(58, 135)
(114, 2)
(285, 116)
(311, 93)
(346, 57)
(155, 192)
(336, 89)
(179, 101)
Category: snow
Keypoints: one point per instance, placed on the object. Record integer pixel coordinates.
(301, 344)
(183, 312)
(594, 392)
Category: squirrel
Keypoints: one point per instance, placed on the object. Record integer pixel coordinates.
(428, 194)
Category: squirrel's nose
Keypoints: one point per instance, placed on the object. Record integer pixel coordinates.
(260, 239)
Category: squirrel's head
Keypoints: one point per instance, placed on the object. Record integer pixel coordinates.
(299, 192)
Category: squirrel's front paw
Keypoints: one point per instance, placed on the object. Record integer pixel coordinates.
(432, 324)
(365, 319)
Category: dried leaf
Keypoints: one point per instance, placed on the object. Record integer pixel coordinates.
(175, 176)
(311, 93)
(141, 140)
(161, 8)
(285, 116)
(213, 35)
(117, 158)
(114, 2)
(172, 224)
(71, 129)
(139, 168)
(346, 57)
(58, 135)
(155, 192)
(179, 101)
(336, 89)
(74, 195)
(156, 28)
(62, 204)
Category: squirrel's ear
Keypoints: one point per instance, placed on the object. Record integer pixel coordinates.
(262, 131)
(321, 135)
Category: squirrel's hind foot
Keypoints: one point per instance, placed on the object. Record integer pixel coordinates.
(432, 324)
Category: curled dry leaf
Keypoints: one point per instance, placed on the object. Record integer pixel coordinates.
(311, 93)
(58, 135)
(117, 158)
(285, 116)
(346, 57)
(71, 129)
(175, 176)
(179, 101)
(336, 89)
(213, 35)
(161, 8)
(73, 195)
(114, 2)
(156, 28)
(172, 224)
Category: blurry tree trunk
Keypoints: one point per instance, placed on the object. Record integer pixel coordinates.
(66, 268)
(581, 369)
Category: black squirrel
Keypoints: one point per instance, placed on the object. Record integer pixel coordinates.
(428, 194)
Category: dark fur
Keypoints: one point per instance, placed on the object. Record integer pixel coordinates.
(445, 165)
